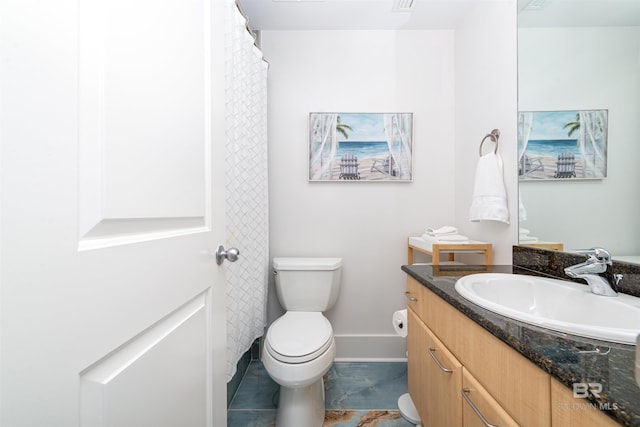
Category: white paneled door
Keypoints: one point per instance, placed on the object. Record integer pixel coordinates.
(112, 127)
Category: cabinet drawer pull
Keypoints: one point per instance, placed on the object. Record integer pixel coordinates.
(435, 359)
(464, 392)
(409, 297)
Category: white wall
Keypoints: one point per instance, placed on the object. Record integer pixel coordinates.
(486, 98)
(586, 68)
(367, 224)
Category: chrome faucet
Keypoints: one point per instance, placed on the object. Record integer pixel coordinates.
(598, 261)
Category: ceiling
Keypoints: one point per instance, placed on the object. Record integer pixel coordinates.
(296, 15)
(282, 15)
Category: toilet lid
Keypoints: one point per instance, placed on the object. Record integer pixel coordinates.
(299, 336)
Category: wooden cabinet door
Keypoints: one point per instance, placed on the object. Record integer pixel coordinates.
(568, 411)
(501, 370)
(479, 408)
(444, 379)
(435, 376)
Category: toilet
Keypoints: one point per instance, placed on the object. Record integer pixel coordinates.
(299, 347)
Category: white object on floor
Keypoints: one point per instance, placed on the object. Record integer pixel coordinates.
(408, 410)
(489, 202)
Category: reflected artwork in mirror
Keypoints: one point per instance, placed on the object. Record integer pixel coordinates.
(572, 57)
(562, 144)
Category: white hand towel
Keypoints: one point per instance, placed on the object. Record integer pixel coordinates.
(489, 195)
(446, 229)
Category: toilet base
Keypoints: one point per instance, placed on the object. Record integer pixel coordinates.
(301, 406)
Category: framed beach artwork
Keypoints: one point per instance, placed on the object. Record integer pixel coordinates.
(562, 145)
(361, 147)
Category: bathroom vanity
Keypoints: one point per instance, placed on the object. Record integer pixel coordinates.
(466, 362)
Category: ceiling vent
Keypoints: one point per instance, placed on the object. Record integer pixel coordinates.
(403, 5)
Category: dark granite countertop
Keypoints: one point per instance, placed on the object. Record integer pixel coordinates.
(568, 358)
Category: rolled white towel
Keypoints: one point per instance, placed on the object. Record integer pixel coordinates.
(450, 238)
(527, 239)
(444, 230)
(524, 231)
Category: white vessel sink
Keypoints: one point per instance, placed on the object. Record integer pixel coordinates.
(555, 304)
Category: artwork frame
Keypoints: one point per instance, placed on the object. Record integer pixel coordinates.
(562, 145)
(360, 147)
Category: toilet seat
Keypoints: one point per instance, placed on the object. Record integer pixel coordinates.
(299, 337)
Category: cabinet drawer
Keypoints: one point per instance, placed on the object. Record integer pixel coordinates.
(416, 297)
(479, 408)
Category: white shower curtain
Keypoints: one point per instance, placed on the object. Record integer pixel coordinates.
(246, 187)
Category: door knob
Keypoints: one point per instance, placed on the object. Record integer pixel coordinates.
(230, 254)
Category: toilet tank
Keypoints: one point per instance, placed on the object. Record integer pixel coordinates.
(307, 284)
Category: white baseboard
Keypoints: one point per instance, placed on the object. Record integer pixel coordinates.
(371, 348)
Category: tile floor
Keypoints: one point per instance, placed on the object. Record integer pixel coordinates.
(357, 394)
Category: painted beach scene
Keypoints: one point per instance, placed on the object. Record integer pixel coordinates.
(360, 147)
(562, 145)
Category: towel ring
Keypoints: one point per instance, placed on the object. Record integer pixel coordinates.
(493, 136)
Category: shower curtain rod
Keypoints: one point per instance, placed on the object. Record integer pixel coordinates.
(246, 20)
(251, 32)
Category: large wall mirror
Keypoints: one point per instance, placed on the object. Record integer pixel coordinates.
(582, 55)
